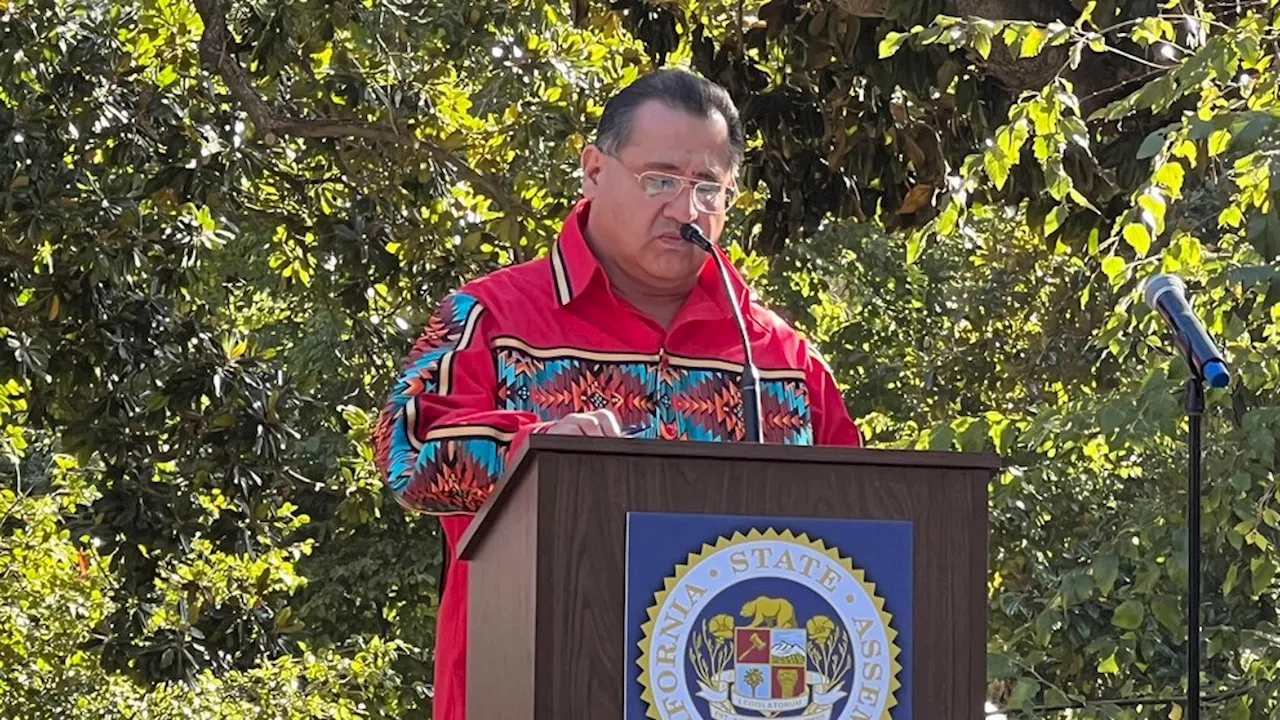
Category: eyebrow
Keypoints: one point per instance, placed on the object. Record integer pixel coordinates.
(672, 167)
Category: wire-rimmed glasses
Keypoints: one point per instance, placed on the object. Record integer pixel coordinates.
(709, 197)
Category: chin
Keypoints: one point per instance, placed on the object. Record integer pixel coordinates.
(675, 274)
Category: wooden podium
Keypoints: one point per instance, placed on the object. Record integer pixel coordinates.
(548, 554)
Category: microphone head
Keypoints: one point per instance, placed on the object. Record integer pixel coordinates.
(1157, 285)
(692, 233)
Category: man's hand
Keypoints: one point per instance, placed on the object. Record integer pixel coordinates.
(597, 423)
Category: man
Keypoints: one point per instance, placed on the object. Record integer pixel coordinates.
(623, 325)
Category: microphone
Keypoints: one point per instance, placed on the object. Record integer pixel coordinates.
(750, 387)
(1166, 294)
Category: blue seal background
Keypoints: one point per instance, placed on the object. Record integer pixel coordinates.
(657, 542)
(807, 603)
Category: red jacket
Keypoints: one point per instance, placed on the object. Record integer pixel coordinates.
(512, 351)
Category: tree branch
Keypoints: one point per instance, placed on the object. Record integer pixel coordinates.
(1123, 84)
(865, 8)
(1126, 702)
(216, 58)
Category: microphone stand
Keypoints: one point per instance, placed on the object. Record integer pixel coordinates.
(750, 386)
(1195, 410)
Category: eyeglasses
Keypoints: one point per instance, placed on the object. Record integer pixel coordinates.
(708, 196)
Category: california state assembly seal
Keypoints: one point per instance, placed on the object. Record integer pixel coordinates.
(768, 625)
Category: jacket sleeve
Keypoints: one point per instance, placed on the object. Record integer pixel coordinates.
(441, 441)
(831, 422)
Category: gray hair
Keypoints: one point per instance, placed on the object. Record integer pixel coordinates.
(679, 90)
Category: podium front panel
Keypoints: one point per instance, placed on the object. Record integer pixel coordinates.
(586, 667)
(735, 617)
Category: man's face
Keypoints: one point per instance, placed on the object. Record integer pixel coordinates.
(638, 230)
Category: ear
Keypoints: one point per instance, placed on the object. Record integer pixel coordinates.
(592, 162)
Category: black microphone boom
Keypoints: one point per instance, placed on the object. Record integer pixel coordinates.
(750, 387)
(1167, 295)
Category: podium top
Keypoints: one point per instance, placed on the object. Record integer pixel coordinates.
(699, 450)
(769, 452)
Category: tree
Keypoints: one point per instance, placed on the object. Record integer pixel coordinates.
(223, 223)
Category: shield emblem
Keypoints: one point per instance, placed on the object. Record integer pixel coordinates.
(770, 663)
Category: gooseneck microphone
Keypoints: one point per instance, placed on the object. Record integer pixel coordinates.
(1167, 295)
(750, 387)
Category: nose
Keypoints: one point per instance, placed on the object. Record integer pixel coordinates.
(681, 208)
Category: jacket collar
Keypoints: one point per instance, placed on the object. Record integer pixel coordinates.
(574, 267)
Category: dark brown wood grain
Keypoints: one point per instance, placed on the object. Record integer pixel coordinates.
(584, 490)
(623, 449)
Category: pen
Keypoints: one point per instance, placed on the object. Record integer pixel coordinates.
(631, 431)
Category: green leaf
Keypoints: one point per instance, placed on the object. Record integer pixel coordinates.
(997, 165)
(1152, 144)
(1059, 182)
(1219, 140)
(1077, 587)
(1086, 15)
(1106, 566)
(1186, 149)
(999, 667)
(942, 437)
(1250, 275)
(167, 76)
(1237, 709)
(891, 42)
(1054, 219)
(1263, 571)
(1011, 34)
(320, 60)
(982, 43)
(1271, 518)
(946, 225)
(1138, 237)
(1011, 138)
(914, 246)
(1033, 41)
(1113, 267)
(1147, 31)
(1024, 692)
(1128, 615)
(1046, 114)
(1170, 177)
(1166, 611)
(1154, 204)
(1109, 666)
(1231, 217)
(1042, 147)
(1075, 55)
(1083, 202)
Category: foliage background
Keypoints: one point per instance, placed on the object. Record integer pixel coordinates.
(223, 222)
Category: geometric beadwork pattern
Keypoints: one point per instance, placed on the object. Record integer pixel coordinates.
(443, 475)
(452, 469)
(455, 474)
(671, 398)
